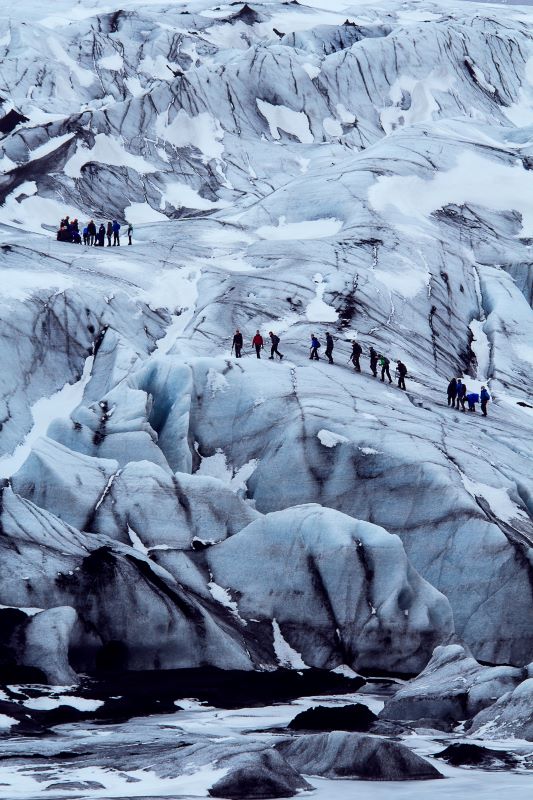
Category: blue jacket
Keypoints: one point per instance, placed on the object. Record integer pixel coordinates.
(315, 342)
(485, 395)
(473, 397)
(116, 226)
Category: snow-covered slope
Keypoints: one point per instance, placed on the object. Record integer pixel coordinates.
(366, 170)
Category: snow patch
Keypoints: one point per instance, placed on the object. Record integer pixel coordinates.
(59, 405)
(223, 597)
(310, 229)
(295, 123)
(203, 132)
(318, 310)
(499, 501)
(330, 439)
(286, 655)
(106, 150)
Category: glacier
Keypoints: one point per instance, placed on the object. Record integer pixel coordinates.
(296, 167)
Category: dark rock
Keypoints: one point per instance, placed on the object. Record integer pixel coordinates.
(473, 755)
(258, 776)
(354, 755)
(356, 717)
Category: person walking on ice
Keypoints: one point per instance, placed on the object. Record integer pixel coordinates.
(356, 355)
(237, 343)
(384, 364)
(461, 394)
(116, 229)
(274, 349)
(315, 344)
(374, 362)
(452, 392)
(401, 370)
(472, 398)
(485, 397)
(129, 232)
(257, 342)
(329, 347)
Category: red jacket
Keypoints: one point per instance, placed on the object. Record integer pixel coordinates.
(258, 339)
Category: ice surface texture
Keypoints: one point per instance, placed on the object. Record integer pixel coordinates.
(289, 169)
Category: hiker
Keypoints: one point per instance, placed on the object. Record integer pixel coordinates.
(109, 233)
(74, 227)
(101, 236)
(315, 344)
(129, 232)
(472, 398)
(461, 394)
(401, 369)
(237, 343)
(76, 238)
(63, 234)
(485, 397)
(86, 235)
(384, 364)
(257, 342)
(356, 355)
(452, 392)
(274, 349)
(116, 229)
(374, 362)
(329, 347)
(91, 232)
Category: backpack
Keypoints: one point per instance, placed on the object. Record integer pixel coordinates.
(316, 343)
(275, 340)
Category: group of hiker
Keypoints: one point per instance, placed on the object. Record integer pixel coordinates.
(69, 231)
(458, 395)
(377, 360)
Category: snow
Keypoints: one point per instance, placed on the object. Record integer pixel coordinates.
(330, 439)
(180, 195)
(223, 597)
(49, 146)
(202, 131)
(23, 208)
(84, 76)
(311, 229)
(46, 409)
(139, 213)
(47, 703)
(6, 723)
(318, 310)
(113, 62)
(280, 117)
(286, 655)
(106, 150)
(498, 500)
(473, 180)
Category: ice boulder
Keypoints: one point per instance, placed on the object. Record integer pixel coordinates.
(453, 687)
(511, 716)
(336, 590)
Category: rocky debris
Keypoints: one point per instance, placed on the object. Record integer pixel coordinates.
(258, 776)
(354, 755)
(452, 687)
(465, 754)
(354, 717)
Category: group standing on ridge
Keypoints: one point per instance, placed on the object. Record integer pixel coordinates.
(69, 231)
(459, 396)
